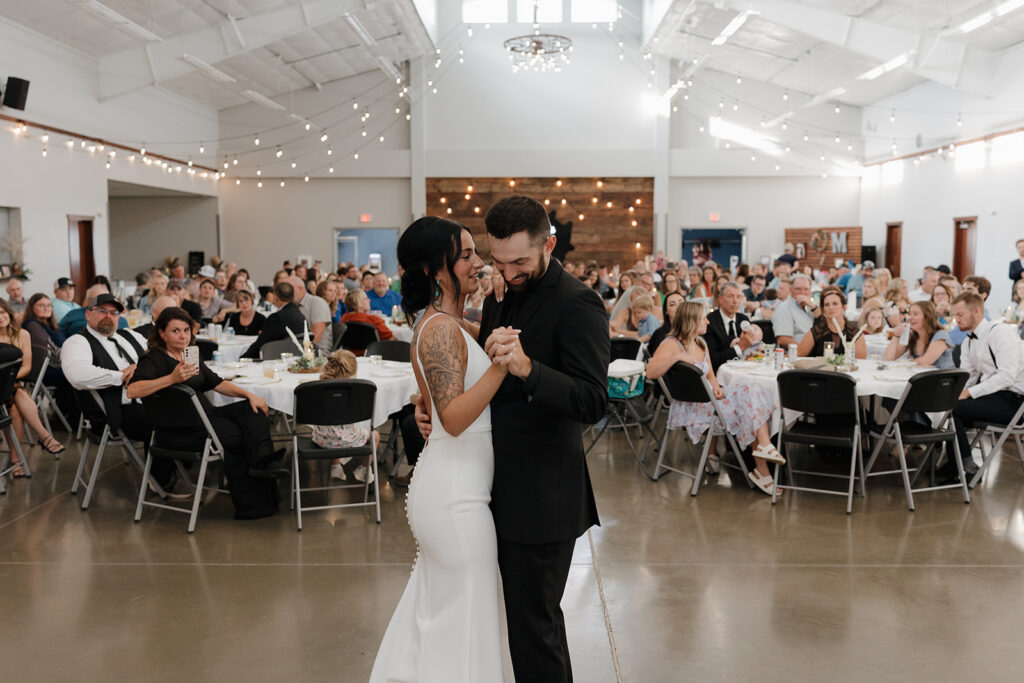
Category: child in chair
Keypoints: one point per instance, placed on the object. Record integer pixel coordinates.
(342, 365)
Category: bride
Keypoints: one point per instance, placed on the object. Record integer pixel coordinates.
(446, 627)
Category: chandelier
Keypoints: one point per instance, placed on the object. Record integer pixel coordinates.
(538, 51)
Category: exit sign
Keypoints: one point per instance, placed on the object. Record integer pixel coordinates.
(365, 218)
(714, 217)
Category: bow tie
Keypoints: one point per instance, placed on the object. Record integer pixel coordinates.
(971, 335)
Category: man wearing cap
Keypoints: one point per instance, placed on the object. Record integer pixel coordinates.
(63, 297)
(74, 322)
(103, 358)
(856, 281)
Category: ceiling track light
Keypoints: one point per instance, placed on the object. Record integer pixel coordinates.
(120, 21)
(361, 33)
(207, 69)
(733, 26)
(262, 99)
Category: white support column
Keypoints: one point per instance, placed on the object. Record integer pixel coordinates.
(662, 68)
(417, 138)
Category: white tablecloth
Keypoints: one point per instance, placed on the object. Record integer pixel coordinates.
(395, 383)
(231, 348)
(401, 332)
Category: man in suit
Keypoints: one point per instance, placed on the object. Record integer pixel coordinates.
(1017, 265)
(289, 317)
(553, 329)
(725, 336)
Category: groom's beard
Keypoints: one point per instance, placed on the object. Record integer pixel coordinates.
(530, 279)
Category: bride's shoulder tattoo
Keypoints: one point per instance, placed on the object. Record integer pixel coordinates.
(442, 364)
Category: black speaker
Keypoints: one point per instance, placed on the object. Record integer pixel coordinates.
(16, 93)
(869, 253)
(195, 261)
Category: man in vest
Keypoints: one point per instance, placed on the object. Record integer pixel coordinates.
(103, 358)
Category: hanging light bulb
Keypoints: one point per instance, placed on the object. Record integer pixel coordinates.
(237, 181)
(892, 116)
(837, 138)
(234, 162)
(282, 183)
(279, 152)
(294, 164)
(259, 184)
(259, 172)
(330, 170)
(306, 179)
(225, 162)
(256, 140)
(356, 155)
(202, 148)
(323, 136)
(330, 151)
(959, 121)
(785, 96)
(308, 125)
(44, 151)
(837, 108)
(142, 151)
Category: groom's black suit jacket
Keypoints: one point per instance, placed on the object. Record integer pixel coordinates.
(541, 491)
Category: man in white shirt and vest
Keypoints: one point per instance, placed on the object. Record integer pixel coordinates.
(103, 358)
(992, 354)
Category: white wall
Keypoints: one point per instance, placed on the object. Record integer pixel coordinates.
(144, 231)
(63, 94)
(764, 206)
(263, 227)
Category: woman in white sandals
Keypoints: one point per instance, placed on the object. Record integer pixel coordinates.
(747, 409)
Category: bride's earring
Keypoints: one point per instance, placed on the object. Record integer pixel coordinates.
(438, 292)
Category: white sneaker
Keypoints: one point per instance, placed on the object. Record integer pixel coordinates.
(363, 474)
(338, 472)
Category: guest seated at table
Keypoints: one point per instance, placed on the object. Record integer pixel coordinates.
(794, 316)
(824, 329)
(276, 327)
(381, 297)
(641, 315)
(872, 320)
(670, 284)
(952, 285)
(330, 292)
(754, 294)
(871, 295)
(159, 305)
(214, 308)
(42, 329)
(747, 408)
(366, 281)
(928, 344)
(884, 277)
(627, 284)
(359, 311)
(239, 282)
(897, 301)
(706, 289)
(157, 288)
(16, 296)
(247, 320)
(342, 365)
(980, 285)
(220, 281)
(250, 461)
(63, 298)
(782, 271)
(24, 408)
(671, 305)
(725, 337)
(694, 276)
(623, 320)
(942, 300)
(177, 290)
(317, 315)
(1018, 298)
(766, 307)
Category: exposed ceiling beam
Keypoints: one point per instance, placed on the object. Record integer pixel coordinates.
(152, 64)
(938, 59)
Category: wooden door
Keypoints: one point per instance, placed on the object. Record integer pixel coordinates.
(82, 265)
(893, 240)
(964, 236)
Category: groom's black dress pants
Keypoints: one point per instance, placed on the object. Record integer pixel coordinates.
(533, 577)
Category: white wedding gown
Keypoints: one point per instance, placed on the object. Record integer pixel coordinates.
(446, 628)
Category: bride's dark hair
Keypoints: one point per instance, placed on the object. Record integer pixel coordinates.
(427, 246)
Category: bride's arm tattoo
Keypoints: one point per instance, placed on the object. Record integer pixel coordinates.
(444, 370)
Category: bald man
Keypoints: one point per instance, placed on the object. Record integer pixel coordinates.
(316, 312)
(158, 307)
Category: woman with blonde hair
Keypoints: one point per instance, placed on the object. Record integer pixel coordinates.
(897, 301)
(747, 408)
(871, 293)
(157, 288)
(884, 277)
(342, 365)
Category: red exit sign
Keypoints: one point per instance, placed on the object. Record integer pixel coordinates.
(365, 218)
(714, 217)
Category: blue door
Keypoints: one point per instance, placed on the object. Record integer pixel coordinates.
(361, 245)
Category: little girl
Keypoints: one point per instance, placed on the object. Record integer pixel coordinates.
(746, 408)
(341, 365)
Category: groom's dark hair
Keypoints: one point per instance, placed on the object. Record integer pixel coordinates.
(515, 214)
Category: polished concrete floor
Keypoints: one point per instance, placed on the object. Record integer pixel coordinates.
(722, 587)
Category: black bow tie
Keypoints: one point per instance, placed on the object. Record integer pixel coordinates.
(971, 335)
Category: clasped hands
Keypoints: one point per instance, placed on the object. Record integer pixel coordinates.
(504, 348)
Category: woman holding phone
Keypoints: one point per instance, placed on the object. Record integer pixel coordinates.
(250, 461)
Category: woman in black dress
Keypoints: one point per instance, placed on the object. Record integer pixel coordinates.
(246, 320)
(250, 461)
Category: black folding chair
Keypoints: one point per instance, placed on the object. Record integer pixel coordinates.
(391, 349)
(333, 402)
(686, 383)
(206, 349)
(273, 350)
(8, 376)
(174, 409)
(337, 332)
(998, 434)
(820, 394)
(626, 347)
(358, 336)
(936, 391)
(106, 437)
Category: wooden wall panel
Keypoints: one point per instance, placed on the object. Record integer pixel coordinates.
(605, 234)
(818, 257)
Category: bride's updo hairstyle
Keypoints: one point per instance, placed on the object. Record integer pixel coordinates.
(426, 247)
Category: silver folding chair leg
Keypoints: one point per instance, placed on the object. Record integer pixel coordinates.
(142, 488)
(95, 468)
(200, 485)
(987, 458)
(12, 443)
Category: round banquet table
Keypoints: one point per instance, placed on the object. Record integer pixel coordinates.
(231, 348)
(400, 332)
(395, 383)
(888, 382)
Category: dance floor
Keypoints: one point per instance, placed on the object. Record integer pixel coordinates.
(721, 587)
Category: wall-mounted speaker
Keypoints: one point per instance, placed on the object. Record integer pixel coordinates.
(869, 253)
(16, 93)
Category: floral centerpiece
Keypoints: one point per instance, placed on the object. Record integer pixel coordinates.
(304, 365)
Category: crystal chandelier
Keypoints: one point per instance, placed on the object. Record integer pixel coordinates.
(538, 51)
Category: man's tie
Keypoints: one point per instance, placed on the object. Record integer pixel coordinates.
(732, 329)
(971, 335)
(124, 354)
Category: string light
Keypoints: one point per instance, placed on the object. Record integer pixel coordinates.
(294, 163)
(323, 136)
(279, 152)
(563, 202)
(306, 179)
(256, 140)
(959, 121)
(259, 172)
(202, 148)
(259, 184)
(308, 125)
(892, 116)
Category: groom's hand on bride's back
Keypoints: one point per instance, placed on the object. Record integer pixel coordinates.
(422, 415)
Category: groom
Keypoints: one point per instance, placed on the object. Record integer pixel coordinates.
(541, 499)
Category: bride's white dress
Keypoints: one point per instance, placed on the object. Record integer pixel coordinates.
(446, 628)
